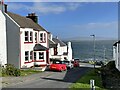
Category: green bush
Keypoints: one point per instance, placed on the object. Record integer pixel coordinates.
(11, 70)
(111, 65)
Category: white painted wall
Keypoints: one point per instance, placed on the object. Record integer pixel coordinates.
(26, 47)
(69, 51)
(3, 48)
(29, 47)
(114, 52)
(118, 60)
(116, 55)
(46, 43)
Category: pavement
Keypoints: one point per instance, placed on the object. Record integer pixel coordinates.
(11, 81)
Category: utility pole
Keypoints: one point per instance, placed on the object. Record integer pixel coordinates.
(93, 48)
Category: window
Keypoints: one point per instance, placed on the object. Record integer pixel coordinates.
(35, 36)
(34, 55)
(31, 55)
(26, 55)
(44, 37)
(41, 37)
(41, 55)
(26, 36)
(55, 51)
(31, 36)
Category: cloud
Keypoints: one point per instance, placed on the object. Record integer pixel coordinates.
(45, 8)
(100, 29)
(98, 26)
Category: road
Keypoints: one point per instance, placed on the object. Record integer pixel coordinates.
(55, 79)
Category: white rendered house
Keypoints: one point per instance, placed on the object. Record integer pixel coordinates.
(116, 54)
(58, 49)
(3, 42)
(27, 41)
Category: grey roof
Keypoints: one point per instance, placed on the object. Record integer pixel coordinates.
(39, 47)
(115, 44)
(25, 22)
(56, 40)
(51, 44)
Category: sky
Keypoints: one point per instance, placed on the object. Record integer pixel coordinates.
(73, 19)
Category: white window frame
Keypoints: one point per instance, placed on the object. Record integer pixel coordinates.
(30, 36)
(27, 56)
(31, 55)
(26, 36)
(36, 36)
(42, 37)
(41, 56)
(35, 56)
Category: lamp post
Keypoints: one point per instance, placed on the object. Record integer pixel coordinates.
(93, 48)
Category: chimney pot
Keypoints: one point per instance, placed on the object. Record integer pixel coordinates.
(33, 17)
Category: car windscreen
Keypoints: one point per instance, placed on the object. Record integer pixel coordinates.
(57, 62)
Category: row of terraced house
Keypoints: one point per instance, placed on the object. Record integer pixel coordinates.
(24, 43)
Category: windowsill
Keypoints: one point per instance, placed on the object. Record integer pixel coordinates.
(27, 42)
(38, 60)
(34, 61)
(27, 62)
(42, 42)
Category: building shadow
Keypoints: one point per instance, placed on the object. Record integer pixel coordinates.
(71, 75)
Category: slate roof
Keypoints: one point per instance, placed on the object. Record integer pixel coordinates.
(59, 41)
(115, 44)
(39, 47)
(51, 44)
(25, 22)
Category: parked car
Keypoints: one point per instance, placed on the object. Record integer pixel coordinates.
(69, 64)
(58, 66)
(77, 59)
(75, 63)
(100, 63)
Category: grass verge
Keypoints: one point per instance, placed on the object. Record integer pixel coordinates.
(28, 72)
(84, 81)
(22, 72)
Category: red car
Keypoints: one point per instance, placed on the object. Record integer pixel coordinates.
(58, 66)
(75, 63)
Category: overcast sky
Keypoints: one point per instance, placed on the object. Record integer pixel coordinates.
(79, 19)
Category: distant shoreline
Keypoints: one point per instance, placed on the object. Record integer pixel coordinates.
(87, 40)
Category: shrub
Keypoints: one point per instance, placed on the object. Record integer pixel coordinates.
(111, 65)
(11, 70)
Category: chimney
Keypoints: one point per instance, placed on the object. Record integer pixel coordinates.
(33, 17)
(3, 7)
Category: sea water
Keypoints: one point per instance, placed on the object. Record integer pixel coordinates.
(84, 50)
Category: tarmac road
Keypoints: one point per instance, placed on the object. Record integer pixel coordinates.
(54, 80)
